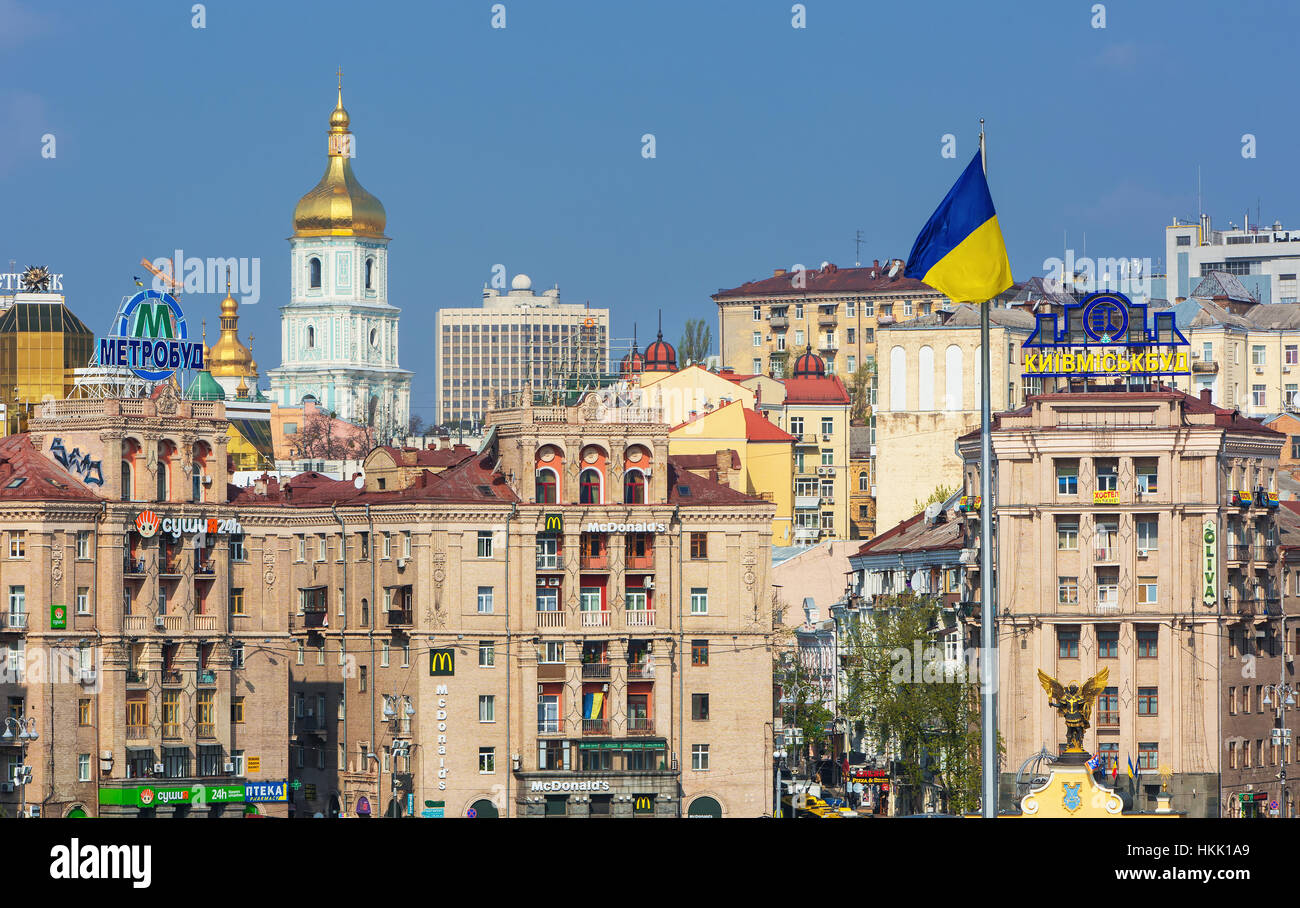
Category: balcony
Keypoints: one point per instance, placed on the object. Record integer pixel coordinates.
(171, 676)
(137, 676)
(134, 624)
(205, 570)
(1204, 367)
(400, 617)
(170, 567)
(206, 730)
(17, 621)
(550, 727)
(315, 619)
(639, 618)
(552, 671)
(1106, 554)
(550, 619)
(640, 725)
(595, 561)
(809, 533)
(550, 561)
(1238, 552)
(829, 344)
(778, 322)
(595, 671)
(644, 562)
(171, 624)
(805, 440)
(806, 501)
(133, 567)
(205, 623)
(1266, 553)
(640, 671)
(595, 618)
(1272, 606)
(137, 732)
(595, 726)
(1108, 606)
(206, 676)
(827, 320)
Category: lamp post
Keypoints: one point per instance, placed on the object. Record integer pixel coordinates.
(401, 747)
(26, 729)
(1285, 695)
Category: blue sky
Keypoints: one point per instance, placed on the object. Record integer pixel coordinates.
(522, 146)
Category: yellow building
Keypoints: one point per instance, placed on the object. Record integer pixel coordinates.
(41, 343)
(691, 391)
(764, 450)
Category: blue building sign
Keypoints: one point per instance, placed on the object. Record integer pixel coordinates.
(1106, 335)
(266, 792)
(151, 338)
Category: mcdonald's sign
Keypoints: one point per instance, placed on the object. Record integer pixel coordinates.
(442, 662)
(554, 524)
(643, 804)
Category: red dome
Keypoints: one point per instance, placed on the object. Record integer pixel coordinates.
(809, 365)
(660, 356)
(633, 362)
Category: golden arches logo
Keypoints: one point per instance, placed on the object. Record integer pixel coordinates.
(146, 523)
(442, 662)
(644, 803)
(554, 523)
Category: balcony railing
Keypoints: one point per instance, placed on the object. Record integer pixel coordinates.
(640, 725)
(205, 568)
(133, 566)
(172, 624)
(552, 671)
(1266, 553)
(17, 621)
(206, 730)
(827, 321)
(779, 322)
(596, 562)
(400, 618)
(1238, 551)
(1106, 554)
(550, 619)
(807, 439)
(206, 676)
(595, 726)
(639, 618)
(807, 501)
(640, 670)
(171, 730)
(1108, 720)
(549, 561)
(595, 618)
(170, 567)
(641, 562)
(171, 676)
(550, 727)
(595, 671)
(137, 676)
(205, 622)
(135, 623)
(137, 732)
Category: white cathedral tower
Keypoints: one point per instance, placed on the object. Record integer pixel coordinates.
(338, 334)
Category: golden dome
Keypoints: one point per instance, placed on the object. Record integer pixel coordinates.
(228, 357)
(338, 205)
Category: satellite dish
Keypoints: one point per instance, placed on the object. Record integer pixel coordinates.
(359, 482)
(824, 264)
(893, 269)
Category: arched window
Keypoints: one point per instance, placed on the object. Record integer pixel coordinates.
(952, 366)
(589, 487)
(313, 268)
(925, 378)
(127, 487)
(370, 274)
(897, 379)
(311, 336)
(634, 487)
(546, 487)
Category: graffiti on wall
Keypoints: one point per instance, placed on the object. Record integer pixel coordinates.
(90, 471)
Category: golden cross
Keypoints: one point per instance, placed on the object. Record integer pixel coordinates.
(340, 78)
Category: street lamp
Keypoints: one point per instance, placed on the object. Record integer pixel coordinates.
(27, 733)
(395, 705)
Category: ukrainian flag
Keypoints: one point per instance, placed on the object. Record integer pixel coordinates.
(960, 251)
(1130, 767)
(591, 705)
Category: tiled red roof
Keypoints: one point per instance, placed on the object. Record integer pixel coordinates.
(687, 488)
(695, 462)
(915, 535)
(832, 279)
(430, 457)
(41, 478)
(759, 428)
(819, 389)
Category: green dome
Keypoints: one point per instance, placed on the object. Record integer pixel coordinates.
(205, 387)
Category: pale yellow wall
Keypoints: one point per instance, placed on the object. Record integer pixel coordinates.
(690, 390)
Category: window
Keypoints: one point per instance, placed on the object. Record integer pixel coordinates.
(237, 710)
(700, 707)
(699, 545)
(302, 651)
(828, 425)
(756, 365)
(1207, 352)
(487, 760)
(83, 544)
(1148, 592)
(589, 487)
(1107, 643)
(1108, 707)
(17, 606)
(485, 543)
(83, 767)
(237, 601)
(699, 600)
(699, 652)
(1184, 240)
(634, 487)
(365, 545)
(406, 544)
(1067, 590)
(237, 552)
(1107, 476)
(487, 708)
(1148, 756)
(1068, 642)
(700, 757)
(486, 654)
(548, 713)
(83, 600)
(551, 652)
(302, 548)
(1148, 640)
(546, 486)
(313, 283)
(362, 677)
(758, 313)
(798, 310)
(388, 545)
(1148, 534)
(1257, 395)
(17, 543)
(385, 648)
(796, 426)
(758, 338)
(1148, 701)
(1257, 357)
(237, 655)
(1146, 474)
(485, 600)
(1067, 477)
(1291, 355)
(1067, 535)
(1295, 447)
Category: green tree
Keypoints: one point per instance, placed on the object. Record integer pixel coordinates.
(938, 496)
(696, 342)
(803, 698)
(860, 391)
(922, 709)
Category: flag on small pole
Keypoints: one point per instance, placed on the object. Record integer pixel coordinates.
(960, 252)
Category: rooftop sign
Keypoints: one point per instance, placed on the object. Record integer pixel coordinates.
(1106, 335)
(150, 338)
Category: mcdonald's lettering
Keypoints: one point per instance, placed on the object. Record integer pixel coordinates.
(442, 662)
(554, 523)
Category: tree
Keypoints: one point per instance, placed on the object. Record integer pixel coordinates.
(803, 698)
(860, 391)
(696, 342)
(317, 439)
(915, 705)
(416, 426)
(938, 496)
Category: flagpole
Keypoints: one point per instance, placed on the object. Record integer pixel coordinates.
(988, 652)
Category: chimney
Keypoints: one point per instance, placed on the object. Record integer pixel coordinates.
(6, 468)
(1205, 395)
(778, 272)
(722, 463)
(875, 263)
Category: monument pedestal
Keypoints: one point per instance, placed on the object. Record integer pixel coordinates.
(1071, 791)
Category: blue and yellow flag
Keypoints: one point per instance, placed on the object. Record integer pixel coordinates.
(960, 251)
(591, 705)
(1130, 767)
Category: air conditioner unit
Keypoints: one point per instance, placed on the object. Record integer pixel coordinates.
(7, 787)
(401, 564)
(229, 767)
(207, 480)
(1142, 553)
(158, 622)
(89, 675)
(825, 437)
(648, 583)
(159, 769)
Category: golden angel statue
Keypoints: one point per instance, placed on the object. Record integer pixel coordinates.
(1074, 702)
